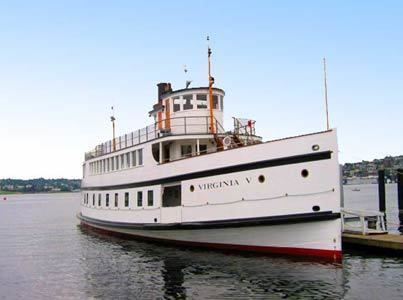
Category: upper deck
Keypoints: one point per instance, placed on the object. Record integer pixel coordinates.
(180, 126)
(180, 112)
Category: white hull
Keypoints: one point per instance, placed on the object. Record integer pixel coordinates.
(308, 239)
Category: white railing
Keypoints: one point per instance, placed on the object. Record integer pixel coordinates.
(363, 222)
(177, 126)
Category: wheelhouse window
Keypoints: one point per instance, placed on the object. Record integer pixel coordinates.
(150, 198)
(107, 200)
(116, 199)
(221, 102)
(126, 199)
(201, 100)
(139, 198)
(186, 150)
(215, 101)
(187, 102)
(177, 104)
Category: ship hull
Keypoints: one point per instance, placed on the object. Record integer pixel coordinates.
(287, 236)
(281, 196)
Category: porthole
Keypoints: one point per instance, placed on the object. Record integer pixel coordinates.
(304, 173)
(261, 178)
(192, 188)
(316, 208)
(315, 147)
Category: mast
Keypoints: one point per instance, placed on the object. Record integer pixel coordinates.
(210, 88)
(113, 130)
(325, 78)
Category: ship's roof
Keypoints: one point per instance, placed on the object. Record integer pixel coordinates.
(191, 89)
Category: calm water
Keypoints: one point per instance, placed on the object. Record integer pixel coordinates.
(45, 255)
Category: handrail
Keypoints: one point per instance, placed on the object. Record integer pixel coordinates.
(370, 222)
(187, 125)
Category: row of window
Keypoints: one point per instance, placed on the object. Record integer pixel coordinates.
(199, 101)
(107, 201)
(118, 162)
(186, 150)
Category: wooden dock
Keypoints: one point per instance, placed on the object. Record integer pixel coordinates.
(379, 243)
(367, 230)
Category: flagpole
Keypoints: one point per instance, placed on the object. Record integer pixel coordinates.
(325, 78)
(210, 88)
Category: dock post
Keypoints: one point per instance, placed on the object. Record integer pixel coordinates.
(400, 188)
(381, 194)
(399, 176)
(381, 190)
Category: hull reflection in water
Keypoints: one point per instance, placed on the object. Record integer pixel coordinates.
(188, 273)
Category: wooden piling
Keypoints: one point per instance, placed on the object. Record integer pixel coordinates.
(381, 190)
(400, 189)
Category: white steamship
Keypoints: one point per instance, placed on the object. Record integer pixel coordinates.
(186, 180)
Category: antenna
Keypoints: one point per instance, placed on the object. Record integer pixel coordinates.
(325, 78)
(210, 86)
(113, 129)
(188, 82)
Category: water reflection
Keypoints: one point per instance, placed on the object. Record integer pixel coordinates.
(148, 271)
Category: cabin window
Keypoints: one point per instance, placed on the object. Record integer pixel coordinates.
(201, 100)
(99, 199)
(93, 199)
(112, 163)
(128, 160)
(139, 198)
(186, 150)
(203, 149)
(126, 199)
(215, 101)
(116, 199)
(140, 157)
(150, 198)
(171, 196)
(187, 102)
(133, 158)
(107, 200)
(122, 161)
(177, 104)
(117, 162)
(221, 102)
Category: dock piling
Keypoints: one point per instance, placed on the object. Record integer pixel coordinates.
(400, 197)
(381, 190)
(400, 188)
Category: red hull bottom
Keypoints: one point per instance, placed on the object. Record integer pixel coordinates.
(331, 255)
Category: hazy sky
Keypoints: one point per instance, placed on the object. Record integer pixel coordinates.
(64, 63)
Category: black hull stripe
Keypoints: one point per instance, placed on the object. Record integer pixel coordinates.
(226, 170)
(233, 223)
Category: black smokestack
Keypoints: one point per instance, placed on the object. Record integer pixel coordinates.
(163, 88)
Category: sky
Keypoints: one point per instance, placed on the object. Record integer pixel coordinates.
(63, 64)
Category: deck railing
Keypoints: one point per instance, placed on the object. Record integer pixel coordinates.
(363, 222)
(177, 126)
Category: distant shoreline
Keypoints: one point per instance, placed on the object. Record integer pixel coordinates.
(6, 193)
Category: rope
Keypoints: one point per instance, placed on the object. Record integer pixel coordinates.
(261, 199)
